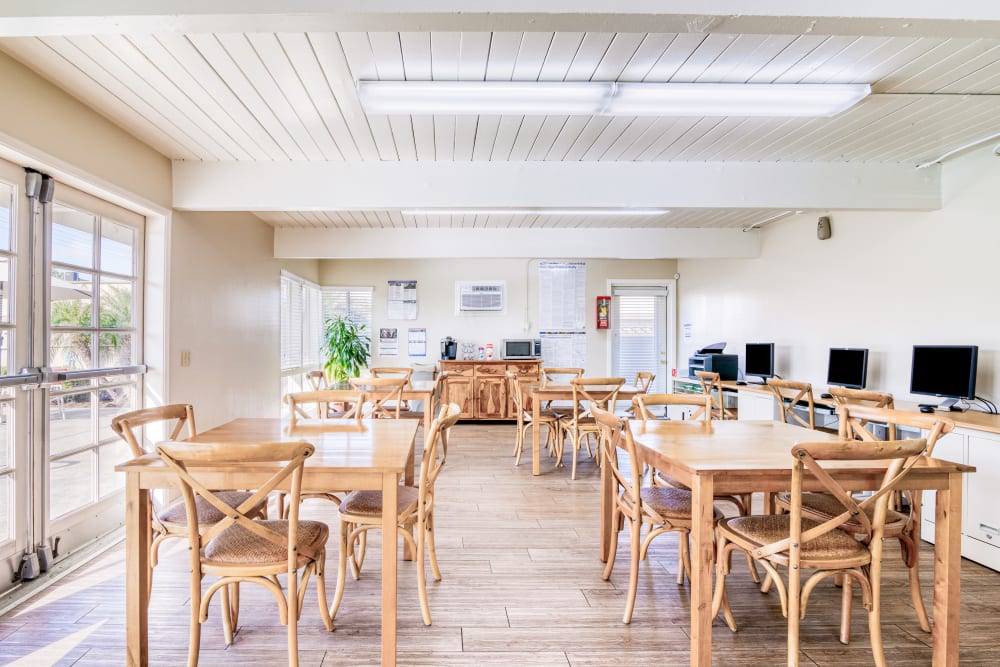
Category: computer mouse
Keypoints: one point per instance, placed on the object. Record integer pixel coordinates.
(826, 395)
(740, 382)
(927, 408)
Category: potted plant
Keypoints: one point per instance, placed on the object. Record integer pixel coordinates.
(345, 349)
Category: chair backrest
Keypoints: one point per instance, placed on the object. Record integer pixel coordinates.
(700, 403)
(600, 392)
(392, 372)
(382, 395)
(517, 396)
(845, 396)
(615, 434)
(554, 375)
(711, 385)
(127, 425)
(788, 394)
(317, 380)
(807, 459)
(439, 391)
(189, 459)
(435, 454)
(297, 401)
(853, 419)
(643, 380)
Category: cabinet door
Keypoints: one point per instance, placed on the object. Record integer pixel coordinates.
(460, 392)
(950, 447)
(754, 405)
(982, 511)
(491, 398)
(527, 373)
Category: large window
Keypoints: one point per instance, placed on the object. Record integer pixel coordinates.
(93, 326)
(7, 330)
(354, 303)
(301, 330)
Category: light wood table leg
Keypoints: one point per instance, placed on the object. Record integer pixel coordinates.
(702, 562)
(536, 419)
(137, 518)
(947, 571)
(390, 494)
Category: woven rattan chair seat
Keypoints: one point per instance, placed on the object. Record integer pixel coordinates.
(669, 502)
(824, 506)
(238, 545)
(369, 503)
(207, 514)
(834, 545)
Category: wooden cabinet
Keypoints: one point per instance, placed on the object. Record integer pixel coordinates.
(480, 387)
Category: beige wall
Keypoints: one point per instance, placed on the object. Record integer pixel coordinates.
(885, 281)
(225, 305)
(436, 298)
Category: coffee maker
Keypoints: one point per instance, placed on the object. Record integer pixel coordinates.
(449, 348)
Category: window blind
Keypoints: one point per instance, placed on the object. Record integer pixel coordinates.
(355, 303)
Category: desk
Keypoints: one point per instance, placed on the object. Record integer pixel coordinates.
(373, 455)
(558, 392)
(742, 456)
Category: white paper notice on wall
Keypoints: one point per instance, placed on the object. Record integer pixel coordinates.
(562, 296)
(564, 348)
(687, 332)
(388, 342)
(401, 300)
(417, 342)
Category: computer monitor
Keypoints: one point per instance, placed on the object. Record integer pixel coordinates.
(944, 370)
(848, 367)
(759, 360)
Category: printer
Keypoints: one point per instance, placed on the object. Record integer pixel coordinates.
(711, 359)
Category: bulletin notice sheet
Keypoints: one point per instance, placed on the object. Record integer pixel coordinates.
(401, 301)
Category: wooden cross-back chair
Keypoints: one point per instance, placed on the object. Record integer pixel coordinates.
(788, 393)
(299, 401)
(241, 548)
(643, 380)
(663, 509)
(362, 511)
(383, 396)
(711, 384)
(798, 542)
(169, 521)
(847, 396)
(525, 419)
(601, 392)
(317, 380)
(903, 526)
(395, 372)
(559, 375)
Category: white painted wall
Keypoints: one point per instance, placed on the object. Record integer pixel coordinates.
(225, 303)
(885, 281)
(436, 298)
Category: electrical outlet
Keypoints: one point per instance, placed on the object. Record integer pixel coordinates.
(185, 357)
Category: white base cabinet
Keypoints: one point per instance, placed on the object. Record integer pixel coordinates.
(980, 494)
(755, 405)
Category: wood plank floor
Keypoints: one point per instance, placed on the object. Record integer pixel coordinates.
(522, 586)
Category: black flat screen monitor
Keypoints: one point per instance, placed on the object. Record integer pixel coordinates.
(944, 370)
(848, 367)
(759, 360)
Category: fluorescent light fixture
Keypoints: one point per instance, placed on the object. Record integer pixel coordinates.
(608, 98)
(536, 211)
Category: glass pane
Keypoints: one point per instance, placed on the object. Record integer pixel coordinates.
(6, 290)
(110, 456)
(6, 214)
(116, 349)
(113, 401)
(115, 303)
(71, 294)
(72, 236)
(71, 351)
(6, 368)
(117, 242)
(71, 483)
(6, 507)
(70, 422)
(6, 431)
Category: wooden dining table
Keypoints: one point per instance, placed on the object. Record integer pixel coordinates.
(732, 457)
(373, 454)
(537, 394)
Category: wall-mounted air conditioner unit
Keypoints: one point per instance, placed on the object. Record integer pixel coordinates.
(479, 297)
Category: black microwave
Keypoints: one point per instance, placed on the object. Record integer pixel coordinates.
(521, 348)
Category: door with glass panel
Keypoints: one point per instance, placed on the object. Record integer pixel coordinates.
(639, 333)
(69, 361)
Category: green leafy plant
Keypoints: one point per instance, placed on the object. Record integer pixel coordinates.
(345, 349)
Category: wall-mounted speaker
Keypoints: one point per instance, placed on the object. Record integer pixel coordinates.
(823, 230)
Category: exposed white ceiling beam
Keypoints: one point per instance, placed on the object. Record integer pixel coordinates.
(331, 186)
(507, 243)
(914, 18)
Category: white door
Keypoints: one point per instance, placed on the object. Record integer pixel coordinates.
(639, 327)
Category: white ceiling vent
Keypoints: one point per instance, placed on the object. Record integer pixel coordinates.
(478, 297)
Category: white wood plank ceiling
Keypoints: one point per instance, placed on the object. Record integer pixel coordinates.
(290, 96)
